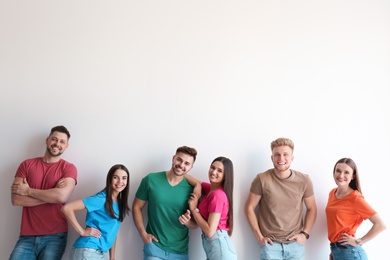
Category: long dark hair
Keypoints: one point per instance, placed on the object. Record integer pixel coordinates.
(355, 182)
(123, 196)
(227, 185)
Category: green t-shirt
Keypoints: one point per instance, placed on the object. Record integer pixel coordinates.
(165, 205)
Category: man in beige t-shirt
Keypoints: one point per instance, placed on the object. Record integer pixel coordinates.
(281, 227)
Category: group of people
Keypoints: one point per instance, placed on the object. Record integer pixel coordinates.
(176, 201)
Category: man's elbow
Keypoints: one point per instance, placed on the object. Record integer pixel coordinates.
(62, 199)
(15, 201)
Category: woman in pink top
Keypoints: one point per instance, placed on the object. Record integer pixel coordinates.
(214, 214)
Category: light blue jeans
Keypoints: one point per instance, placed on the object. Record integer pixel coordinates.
(153, 252)
(219, 246)
(282, 251)
(48, 247)
(347, 252)
(87, 253)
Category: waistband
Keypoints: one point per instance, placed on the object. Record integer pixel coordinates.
(94, 250)
(219, 233)
(337, 244)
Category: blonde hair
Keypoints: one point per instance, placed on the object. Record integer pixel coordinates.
(282, 142)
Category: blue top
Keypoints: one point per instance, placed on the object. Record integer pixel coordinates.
(97, 217)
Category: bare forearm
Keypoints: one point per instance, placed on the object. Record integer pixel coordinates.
(70, 215)
(25, 201)
(204, 225)
(112, 251)
(55, 195)
(253, 223)
(191, 224)
(310, 218)
(378, 227)
(139, 221)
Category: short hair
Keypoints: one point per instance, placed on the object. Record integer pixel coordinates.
(282, 142)
(187, 150)
(61, 129)
(355, 182)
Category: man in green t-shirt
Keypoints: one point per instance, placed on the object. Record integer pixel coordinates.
(166, 193)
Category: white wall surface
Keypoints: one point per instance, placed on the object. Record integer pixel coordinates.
(133, 80)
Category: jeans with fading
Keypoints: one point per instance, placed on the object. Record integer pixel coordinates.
(282, 251)
(219, 246)
(153, 252)
(347, 252)
(87, 253)
(47, 247)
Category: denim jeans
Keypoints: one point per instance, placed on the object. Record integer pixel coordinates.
(282, 251)
(87, 253)
(347, 252)
(219, 246)
(153, 252)
(47, 247)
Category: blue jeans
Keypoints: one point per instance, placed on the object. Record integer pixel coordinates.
(153, 252)
(219, 246)
(87, 253)
(282, 251)
(347, 252)
(47, 247)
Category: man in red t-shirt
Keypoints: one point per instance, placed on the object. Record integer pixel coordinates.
(41, 186)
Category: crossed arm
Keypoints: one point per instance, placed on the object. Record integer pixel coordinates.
(23, 195)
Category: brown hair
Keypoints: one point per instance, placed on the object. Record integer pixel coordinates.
(187, 150)
(228, 184)
(355, 182)
(60, 129)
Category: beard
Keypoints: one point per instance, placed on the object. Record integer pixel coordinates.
(176, 172)
(52, 154)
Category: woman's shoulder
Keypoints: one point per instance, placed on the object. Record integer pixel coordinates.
(218, 193)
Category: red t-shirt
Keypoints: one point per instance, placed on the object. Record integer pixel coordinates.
(47, 218)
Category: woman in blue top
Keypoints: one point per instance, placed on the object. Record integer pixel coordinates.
(105, 212)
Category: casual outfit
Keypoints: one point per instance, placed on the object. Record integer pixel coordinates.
(344, 215)
(166, 203)
(97, 217)
(281, 211)
(43, 228)
(219, 246)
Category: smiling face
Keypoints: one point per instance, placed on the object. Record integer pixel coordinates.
(56, 144)
(182, 163)
(217, 172)
(343, 175)
(281, 158)
(119, 181)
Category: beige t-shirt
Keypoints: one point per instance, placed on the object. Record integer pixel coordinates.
(281, 205)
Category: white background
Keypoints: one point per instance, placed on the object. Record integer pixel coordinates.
(133, 80)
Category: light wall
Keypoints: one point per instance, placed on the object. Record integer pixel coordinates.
(133, 80)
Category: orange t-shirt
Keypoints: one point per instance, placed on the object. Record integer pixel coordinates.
(346, 214)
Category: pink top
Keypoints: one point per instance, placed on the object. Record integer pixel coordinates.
(216, 201)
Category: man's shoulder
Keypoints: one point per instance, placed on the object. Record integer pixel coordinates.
(300, 174)
(154, 177)
(265, 174)
(33, 160)
(155, 174)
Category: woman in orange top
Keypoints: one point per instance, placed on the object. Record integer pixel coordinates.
(345, 211)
